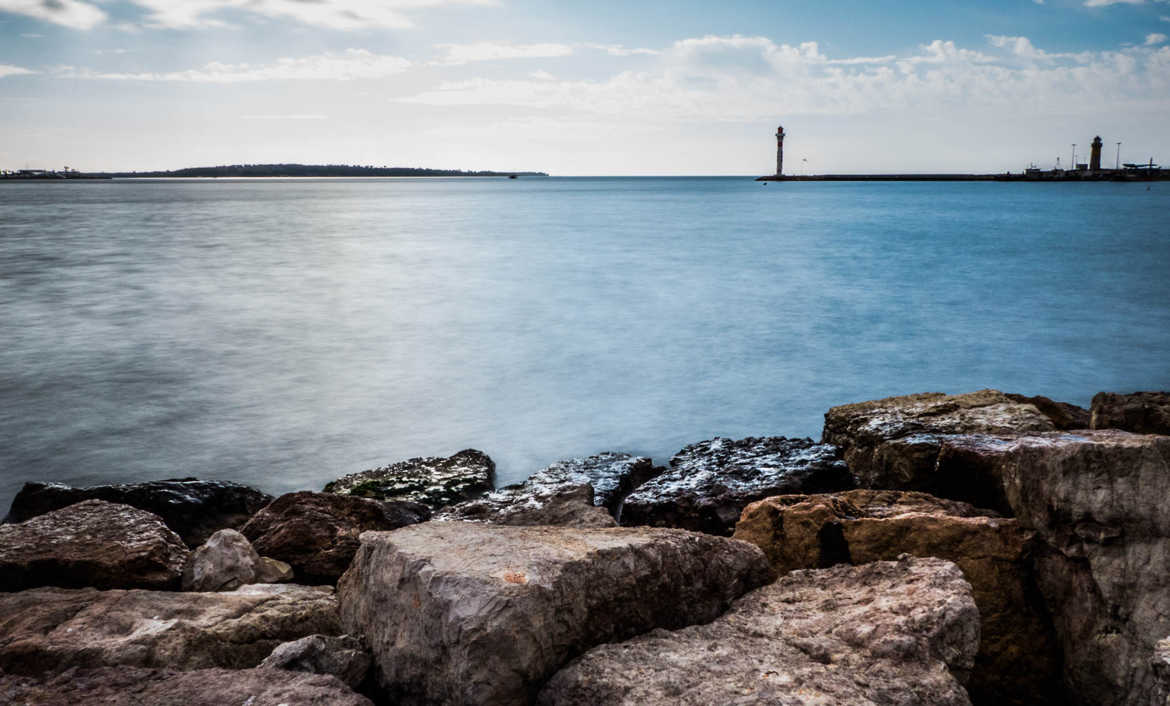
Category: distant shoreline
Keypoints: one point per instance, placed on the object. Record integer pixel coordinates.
(238, 171)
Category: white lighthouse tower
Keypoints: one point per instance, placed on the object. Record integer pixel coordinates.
(779, 150)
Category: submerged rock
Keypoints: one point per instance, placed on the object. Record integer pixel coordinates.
(1018, 660)
(224, 562)
(92, 543)
(709, 483)
(132, 686)
(51, 629)
(898, 633)
(1140, 412)
(317, 533)
(435, 482)
(461, 612)
(342, 656)
(193, 508)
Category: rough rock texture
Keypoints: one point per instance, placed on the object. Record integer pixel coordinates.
(896, 443)
(612, 475)
(92, 543)
(342, 656)
(435, 482)
(1098, 500)
(1064, 415)
(224, 562)
(470, 613)
(133, 686)
(1140, 412)
(274, 571)
(317, 533)
(901, 633)
(534, 503)
(193, 508)
(709, 483)
(50, 629)
(1018, 660)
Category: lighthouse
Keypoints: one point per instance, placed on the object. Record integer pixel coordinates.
(1095, 155)
(779, 150)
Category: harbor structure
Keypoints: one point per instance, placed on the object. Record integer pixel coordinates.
(779, 150)
(1095, 155)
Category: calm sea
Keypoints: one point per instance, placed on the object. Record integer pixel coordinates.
(282, 333)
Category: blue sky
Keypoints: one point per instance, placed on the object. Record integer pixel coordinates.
(600, 87)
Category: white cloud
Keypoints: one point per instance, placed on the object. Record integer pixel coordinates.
(457, 54)
(68, 13)
(1154, 38)
(307, 116)
(9, 70)
(619, 50)
(1102, 3)
(350, 65)
(32, 35)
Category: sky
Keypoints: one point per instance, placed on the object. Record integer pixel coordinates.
(589, 87)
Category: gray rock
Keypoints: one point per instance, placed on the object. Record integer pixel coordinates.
(1139, 412)
(471, 613)
(135, 686)
(51, 629)
(193, 508)
(709, 483)
(612, 475)
(435, 482)
(1064, 415)
(341, 656)
(899, 633)
(92, 543)
(223, 563)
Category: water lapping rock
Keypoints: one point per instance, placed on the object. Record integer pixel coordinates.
(1018, 660)
(52, 629)
(709, 483)
(434, 481)
(900, 633)
(317, 533)
(193, 508)
(475, 613)
(1139, 412)
(91, 543)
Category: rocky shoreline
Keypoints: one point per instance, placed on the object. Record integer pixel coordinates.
(979, 548)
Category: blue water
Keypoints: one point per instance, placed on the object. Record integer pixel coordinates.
(283, 333)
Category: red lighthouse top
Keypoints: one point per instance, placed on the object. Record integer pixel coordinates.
(780, 131)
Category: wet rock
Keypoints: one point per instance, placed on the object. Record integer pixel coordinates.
(317, 533)
(193, 508)
(227, 561)
(612, 475)
(342, 656)
(92, 543)
(435, 482)
(709, 483)
(534, 503)
(896, 443)
(131, 686)
(51, 629)
(1018, 660)
(461, 612)
(1140, 412)
(1097, 500)
(1064, 415)
(901, 633)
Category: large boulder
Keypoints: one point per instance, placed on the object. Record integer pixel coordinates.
(51, 629)
(1139, 412)
(1018, 660)
(471, 613)
(92, 543)
(317, 533)
(898, 633)
(1098, 502)
(193, 508)
(434, 481)
(132, 686)
(342, 656)
(896, 443)
(709, 483)
(227, 561)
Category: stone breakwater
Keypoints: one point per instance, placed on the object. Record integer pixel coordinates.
(978, 548)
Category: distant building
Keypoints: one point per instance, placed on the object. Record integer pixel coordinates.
(1095, 155)
(779, 150)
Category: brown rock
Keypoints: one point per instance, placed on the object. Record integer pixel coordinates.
(274, 571)
(341, 656)
(472, 613)
(51, 629)
(1064, 415)
(1018, 660)
(898, 633)
(92, 543)
(434, 481)
(317, 533)
(1139, 412)
(134, 686)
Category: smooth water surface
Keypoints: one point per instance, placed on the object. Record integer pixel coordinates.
(283, 333)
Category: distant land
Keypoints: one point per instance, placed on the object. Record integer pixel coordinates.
(269, 170)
